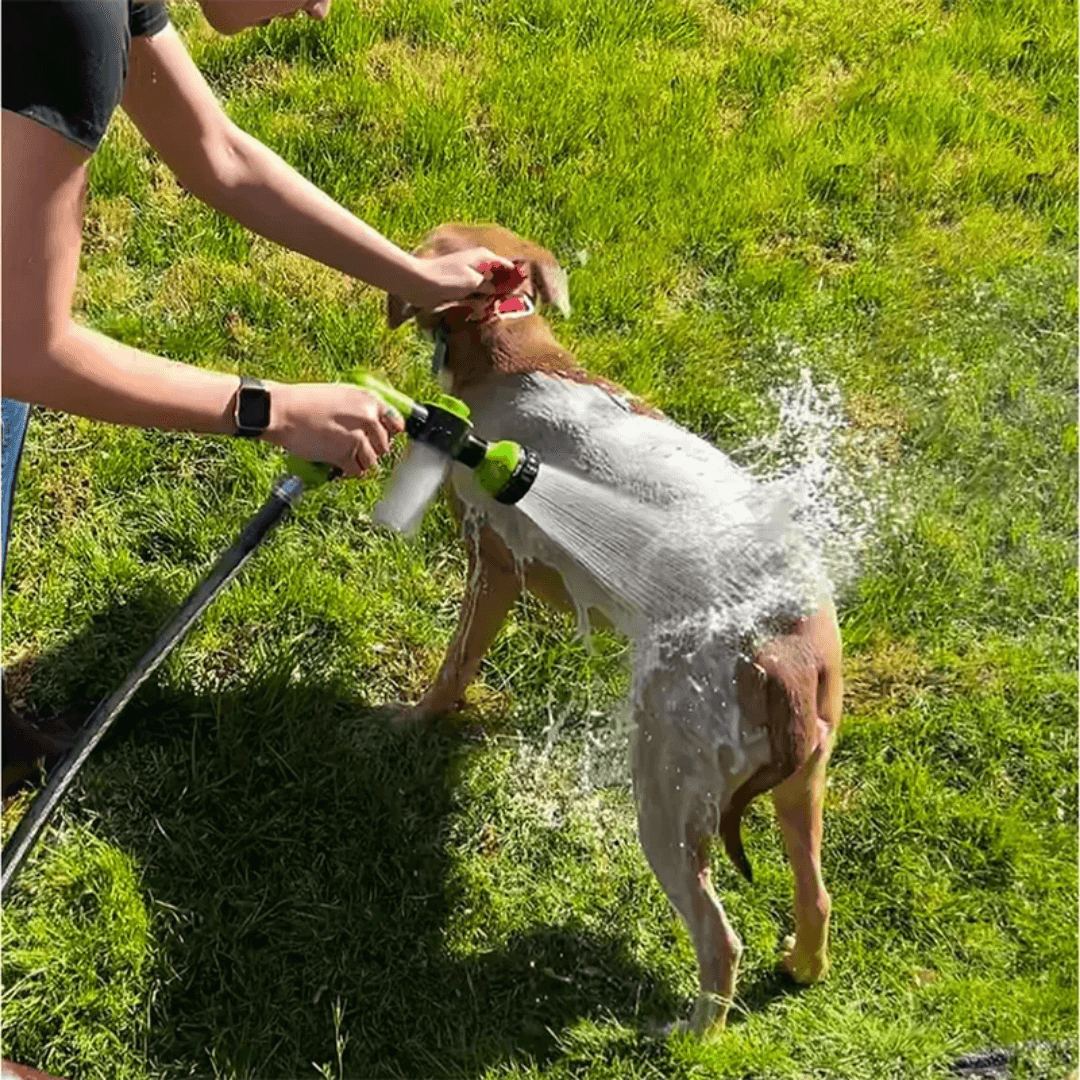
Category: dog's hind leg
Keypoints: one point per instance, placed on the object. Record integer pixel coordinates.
(677, 849)
(798, 802)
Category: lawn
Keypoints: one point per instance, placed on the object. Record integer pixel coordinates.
(259, 876)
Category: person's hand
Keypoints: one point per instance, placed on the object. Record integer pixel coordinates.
(452, 277)
(335, 423)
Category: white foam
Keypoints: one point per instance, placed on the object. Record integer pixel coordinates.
(413, 484)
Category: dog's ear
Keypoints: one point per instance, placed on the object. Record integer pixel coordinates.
(551, 284)
(398, 311)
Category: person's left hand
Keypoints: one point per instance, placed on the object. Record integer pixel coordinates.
(452, 277)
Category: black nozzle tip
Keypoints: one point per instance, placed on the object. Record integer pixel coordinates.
(521, 479)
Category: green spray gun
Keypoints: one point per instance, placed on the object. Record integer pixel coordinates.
(441, 433)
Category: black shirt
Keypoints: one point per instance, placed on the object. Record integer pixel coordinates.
(65, 61)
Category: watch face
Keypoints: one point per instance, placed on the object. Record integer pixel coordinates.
(253, 409)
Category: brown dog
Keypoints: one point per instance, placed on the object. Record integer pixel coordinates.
(721, 714)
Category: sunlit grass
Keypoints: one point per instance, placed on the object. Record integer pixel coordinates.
(259, 876)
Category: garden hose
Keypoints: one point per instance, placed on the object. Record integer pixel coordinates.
(505, 470)
(285, 494)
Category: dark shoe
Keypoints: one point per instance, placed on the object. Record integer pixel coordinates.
(30, 744)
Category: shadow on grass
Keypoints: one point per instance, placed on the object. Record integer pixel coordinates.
(756, 992)
(297, 852)
(74, 677)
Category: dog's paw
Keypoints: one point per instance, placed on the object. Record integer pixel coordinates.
(429, 707)
(707, 1021)
(405, 714)
(804, 968)
(709, 1018)
(664, 1029)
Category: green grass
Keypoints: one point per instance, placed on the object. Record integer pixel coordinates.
(259, 876)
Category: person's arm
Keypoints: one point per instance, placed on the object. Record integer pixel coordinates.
(50, 360)
(226, 168)
(231, 16)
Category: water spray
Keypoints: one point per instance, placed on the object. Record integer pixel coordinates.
(606, 533)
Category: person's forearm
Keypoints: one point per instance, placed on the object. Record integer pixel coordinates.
(258, 189)
(83, 372)
(79, 371)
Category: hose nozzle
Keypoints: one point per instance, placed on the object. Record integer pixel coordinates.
(442, 432)
(504, 470)
(507, 471)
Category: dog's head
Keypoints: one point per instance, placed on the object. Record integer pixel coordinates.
(545, 280)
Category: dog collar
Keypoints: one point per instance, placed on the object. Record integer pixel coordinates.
(511, 307)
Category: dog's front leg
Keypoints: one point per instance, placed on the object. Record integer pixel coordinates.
(494, 584)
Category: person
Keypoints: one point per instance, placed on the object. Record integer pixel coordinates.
(64, 65)
(67, 65)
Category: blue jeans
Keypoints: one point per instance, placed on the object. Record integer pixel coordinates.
(16, 416)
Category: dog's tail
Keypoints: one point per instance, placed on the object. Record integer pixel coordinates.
(765, 779)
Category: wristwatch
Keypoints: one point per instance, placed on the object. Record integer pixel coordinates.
(251, 408)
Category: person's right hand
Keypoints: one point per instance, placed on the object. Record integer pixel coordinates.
(451, 277)
(335, 423)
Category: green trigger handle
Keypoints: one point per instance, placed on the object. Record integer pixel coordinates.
(391, 396)
(316, 473)
(505, 470)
